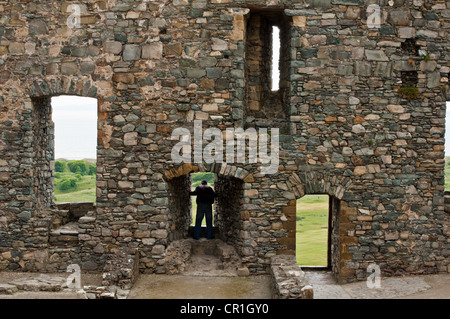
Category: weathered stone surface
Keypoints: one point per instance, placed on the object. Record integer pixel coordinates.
(346, 130)
(152, 51)
(400, 17)
(69, 68)
(131, 52)
(396, 108)
(7, 289)
(114, 47)
(40, 283)
(406, 32)
(123, 77)
(37, 27)
(288, 279)
(376, 55)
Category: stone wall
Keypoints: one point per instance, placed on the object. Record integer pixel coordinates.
(351, 127)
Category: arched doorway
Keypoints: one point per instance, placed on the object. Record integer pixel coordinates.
(229, 184)
(340, 232)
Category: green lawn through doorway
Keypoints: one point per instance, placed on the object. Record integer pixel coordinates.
(312, 230)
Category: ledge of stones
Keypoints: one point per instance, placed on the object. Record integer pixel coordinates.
(120, 273)
(58, 283)
(288, 279)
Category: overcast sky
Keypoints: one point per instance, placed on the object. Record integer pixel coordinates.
(275, 58)
(75, 121)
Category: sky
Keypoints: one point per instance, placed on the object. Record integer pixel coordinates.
(75, 121)
(275, 58)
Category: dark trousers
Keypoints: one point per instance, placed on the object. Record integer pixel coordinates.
(203, 210)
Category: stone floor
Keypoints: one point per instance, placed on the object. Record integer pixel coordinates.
(220, 286)
(196, 287)
(417, 287)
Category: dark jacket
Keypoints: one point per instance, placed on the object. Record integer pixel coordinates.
(205, 194)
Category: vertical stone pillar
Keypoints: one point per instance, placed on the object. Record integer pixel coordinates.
(342, 261)
(289, 224)
(44, 152)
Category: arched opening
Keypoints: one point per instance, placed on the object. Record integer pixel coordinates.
(338, 237)
(221, 252)
(227, 220)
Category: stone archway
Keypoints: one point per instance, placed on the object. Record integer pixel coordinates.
(62, 86)
(229, 184)
(341, 229)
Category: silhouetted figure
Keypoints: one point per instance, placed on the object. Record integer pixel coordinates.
(205, 199)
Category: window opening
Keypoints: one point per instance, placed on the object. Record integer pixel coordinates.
(276, 47)
(75, 133)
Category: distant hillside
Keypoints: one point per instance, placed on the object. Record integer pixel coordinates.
(198, 177)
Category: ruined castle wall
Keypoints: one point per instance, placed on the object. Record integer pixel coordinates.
(348, 128)
(351, 120)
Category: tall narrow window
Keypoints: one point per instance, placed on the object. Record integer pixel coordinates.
(75, 122)
(276, 45)
(267, 66)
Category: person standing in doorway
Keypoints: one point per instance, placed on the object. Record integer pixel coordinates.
(205, 199)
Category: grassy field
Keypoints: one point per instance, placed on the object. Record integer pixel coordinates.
(83, 191)
(312, 230)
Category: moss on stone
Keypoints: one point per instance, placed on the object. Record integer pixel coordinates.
(409, 93)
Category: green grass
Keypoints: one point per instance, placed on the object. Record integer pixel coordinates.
(84, 191)
(312, 230)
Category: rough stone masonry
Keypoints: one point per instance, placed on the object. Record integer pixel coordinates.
(361, 113)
